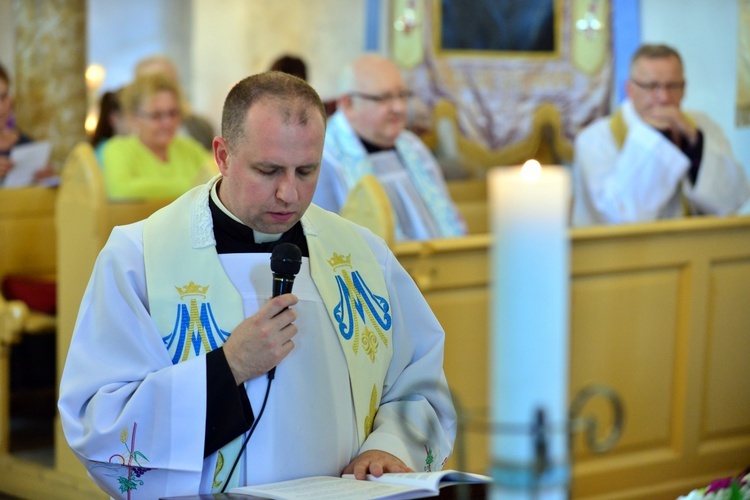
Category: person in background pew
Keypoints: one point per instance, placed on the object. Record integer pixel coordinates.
(192, 125)
(367, 135)
(153, 161)
(10, 136)
(290, 64)
(651, 160)
(111, 122)
(179, 335)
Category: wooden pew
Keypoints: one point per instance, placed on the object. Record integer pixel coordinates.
(470, 196)
(658, 313)
(84, 218)
(27, 247)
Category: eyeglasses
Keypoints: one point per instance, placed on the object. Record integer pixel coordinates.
(671, 87)
(161, 115)
(384, 98)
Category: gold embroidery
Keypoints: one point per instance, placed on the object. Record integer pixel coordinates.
(370, 343)
(340, 260)
(195, 322)
(192, 289)
(370, 419)
(217, 470)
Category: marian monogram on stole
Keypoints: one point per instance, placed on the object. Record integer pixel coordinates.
(195, 326)
(362, 318)
(371, 310)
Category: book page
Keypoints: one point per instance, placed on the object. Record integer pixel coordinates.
(324, 487)
(428, 480)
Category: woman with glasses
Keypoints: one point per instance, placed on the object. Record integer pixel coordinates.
(153, 161)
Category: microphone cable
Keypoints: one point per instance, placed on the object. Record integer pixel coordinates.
(250, 432)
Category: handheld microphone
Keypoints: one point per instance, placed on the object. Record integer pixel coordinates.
(286, 260)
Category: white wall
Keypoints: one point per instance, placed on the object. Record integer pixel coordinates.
(122, 33)
(705, 34)
(232, 39)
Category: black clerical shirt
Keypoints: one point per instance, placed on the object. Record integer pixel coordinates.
(694, 153)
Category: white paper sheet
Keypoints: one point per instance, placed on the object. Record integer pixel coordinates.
(27, 159)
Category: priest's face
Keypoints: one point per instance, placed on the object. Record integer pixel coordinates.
(270, 176)
(655, 83)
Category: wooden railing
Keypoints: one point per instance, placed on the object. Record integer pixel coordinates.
(658, 314)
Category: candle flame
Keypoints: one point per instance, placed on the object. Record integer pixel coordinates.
(531, 171)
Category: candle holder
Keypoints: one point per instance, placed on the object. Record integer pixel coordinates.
(529, 480)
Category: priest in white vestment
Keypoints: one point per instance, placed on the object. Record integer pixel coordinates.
(186, 376)
(366, 135)
(650, 160)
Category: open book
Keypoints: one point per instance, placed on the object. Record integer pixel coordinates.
(388, 486)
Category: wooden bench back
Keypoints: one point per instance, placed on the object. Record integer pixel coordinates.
(658, 313)
(84, 219)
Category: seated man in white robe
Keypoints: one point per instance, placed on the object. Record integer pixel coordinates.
(167, 388)
(650, 160)
(366, 135)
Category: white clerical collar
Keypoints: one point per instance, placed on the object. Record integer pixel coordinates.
(259, 237)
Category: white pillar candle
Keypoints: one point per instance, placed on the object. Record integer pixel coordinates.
(530, 324)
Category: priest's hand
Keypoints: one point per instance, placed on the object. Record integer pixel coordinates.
(261, 341)
(669, 117)
(375, 462)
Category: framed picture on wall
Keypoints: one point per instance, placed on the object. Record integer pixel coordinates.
(498, 27)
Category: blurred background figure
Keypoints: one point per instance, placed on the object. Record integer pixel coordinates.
(295, 65)
(290, 64)
(193, 125)
(651, 159)
(111, 122)
(153, 161)
(367, 135)
(10, 136)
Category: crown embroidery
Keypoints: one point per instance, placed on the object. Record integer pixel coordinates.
(192, 289)
(340, 260)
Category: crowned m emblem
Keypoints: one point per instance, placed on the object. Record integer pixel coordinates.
(195, 329)
(361, 315)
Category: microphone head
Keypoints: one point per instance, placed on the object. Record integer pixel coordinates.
(286, 259)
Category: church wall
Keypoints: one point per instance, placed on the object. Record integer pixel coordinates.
(245, 37)
(705, 33)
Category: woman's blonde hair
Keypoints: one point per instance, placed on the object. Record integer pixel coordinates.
(143, 87)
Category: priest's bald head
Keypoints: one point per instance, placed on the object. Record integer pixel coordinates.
(373, 97)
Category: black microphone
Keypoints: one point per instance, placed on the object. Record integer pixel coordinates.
(286, 260)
